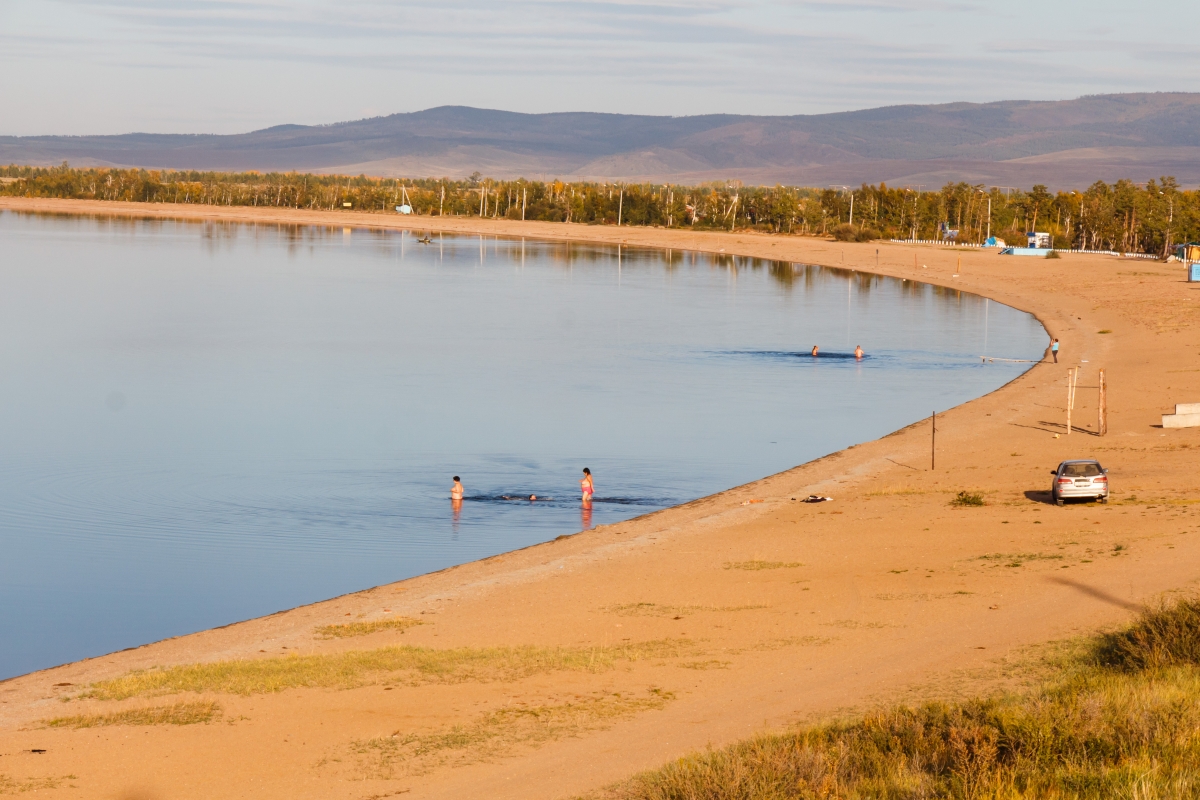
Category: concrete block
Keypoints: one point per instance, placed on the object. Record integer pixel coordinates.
(1181, 421)
(1187, 408)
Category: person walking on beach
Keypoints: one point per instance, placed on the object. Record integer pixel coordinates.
(814, 351)
(456, 491)
(587, 486)
(858, 352)
(1054, 350)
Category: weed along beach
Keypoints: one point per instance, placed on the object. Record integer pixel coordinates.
(199, 463)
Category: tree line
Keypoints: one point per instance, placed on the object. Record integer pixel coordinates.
(1123, 216)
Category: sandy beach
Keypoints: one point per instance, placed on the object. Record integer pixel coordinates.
(556, 670)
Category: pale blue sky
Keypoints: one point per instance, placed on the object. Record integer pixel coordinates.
(224, 66)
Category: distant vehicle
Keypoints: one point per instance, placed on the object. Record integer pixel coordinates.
(1082, 478)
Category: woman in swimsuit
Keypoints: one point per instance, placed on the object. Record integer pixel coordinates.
(456, 491)
(587, 486)
(814, 351)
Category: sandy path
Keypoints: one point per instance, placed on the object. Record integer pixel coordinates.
(889, 593)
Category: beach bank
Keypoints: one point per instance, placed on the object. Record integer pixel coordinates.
(572, 664)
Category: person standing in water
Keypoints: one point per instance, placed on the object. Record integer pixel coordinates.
(858, 352)
(814, 351)
(1054, 350)
(456, 491)
(587, 486)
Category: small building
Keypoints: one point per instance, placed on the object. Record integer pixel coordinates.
(1189, 252)
(1039, 240)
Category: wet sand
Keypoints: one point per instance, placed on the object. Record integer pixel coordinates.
(776, 611)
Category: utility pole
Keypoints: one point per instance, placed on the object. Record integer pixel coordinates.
(442, 200)
(523, 196)
(989, 216)
(851, 206)
(620, 206)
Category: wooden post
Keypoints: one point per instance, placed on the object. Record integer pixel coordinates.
(914, 260)
(958, 269)
(1102, 422)
(933, 442)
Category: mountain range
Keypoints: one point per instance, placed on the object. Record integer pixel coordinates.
(1064, 144)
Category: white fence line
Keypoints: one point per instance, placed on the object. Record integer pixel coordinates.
(1057, 249)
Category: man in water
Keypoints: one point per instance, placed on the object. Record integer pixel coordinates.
(858, 352)
(456, 491)
(1054, 350)
(814, 351)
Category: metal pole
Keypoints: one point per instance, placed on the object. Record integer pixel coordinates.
(933, 442)
(1102, 422)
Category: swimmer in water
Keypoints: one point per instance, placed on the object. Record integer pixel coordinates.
(587, 486)
(858, 352)
(533, 497)
(814, 351)
(456, 491)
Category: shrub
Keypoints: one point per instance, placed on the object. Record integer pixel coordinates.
(850, 233)
(965, 498)
(1053, 254)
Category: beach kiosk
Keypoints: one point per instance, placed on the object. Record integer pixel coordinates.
(1189, 254)
(1040, 244)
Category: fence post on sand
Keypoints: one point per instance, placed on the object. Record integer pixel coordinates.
(1102, 422)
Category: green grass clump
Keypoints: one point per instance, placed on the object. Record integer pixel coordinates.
(349, 629)
(1120, 719)
(359, 668)
(177, 714)
(756, 565)
(965, 498)
(1165, 636)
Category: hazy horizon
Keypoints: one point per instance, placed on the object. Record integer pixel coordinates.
(233, 66)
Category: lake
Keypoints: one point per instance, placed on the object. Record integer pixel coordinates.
(202, 423)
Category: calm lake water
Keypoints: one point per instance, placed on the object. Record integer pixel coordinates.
(202, 423)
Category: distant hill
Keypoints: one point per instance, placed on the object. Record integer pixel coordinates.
(1069, 143)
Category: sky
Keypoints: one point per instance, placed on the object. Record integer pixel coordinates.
(230, 66)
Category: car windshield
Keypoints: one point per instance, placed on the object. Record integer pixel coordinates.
(1089, 470)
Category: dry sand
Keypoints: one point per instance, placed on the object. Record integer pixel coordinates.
(887, 593)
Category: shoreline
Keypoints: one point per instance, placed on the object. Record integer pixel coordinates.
(881, 631)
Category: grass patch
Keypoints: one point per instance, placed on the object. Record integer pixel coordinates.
(415, 665)
(9, 785)
(967, 499)
(497, 734)
(177, 714)
(660, 610)
(756, 565)
(1106, 330)
(349, 629)
(1118, 719)
(1019, 559)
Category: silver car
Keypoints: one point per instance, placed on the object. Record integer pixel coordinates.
(1082, 478)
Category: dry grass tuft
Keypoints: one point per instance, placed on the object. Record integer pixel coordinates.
(1119, 720)
(350, 629)
(414, 665)
(498, 734)
(661, 610)
(756, 565)
(176, 714)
